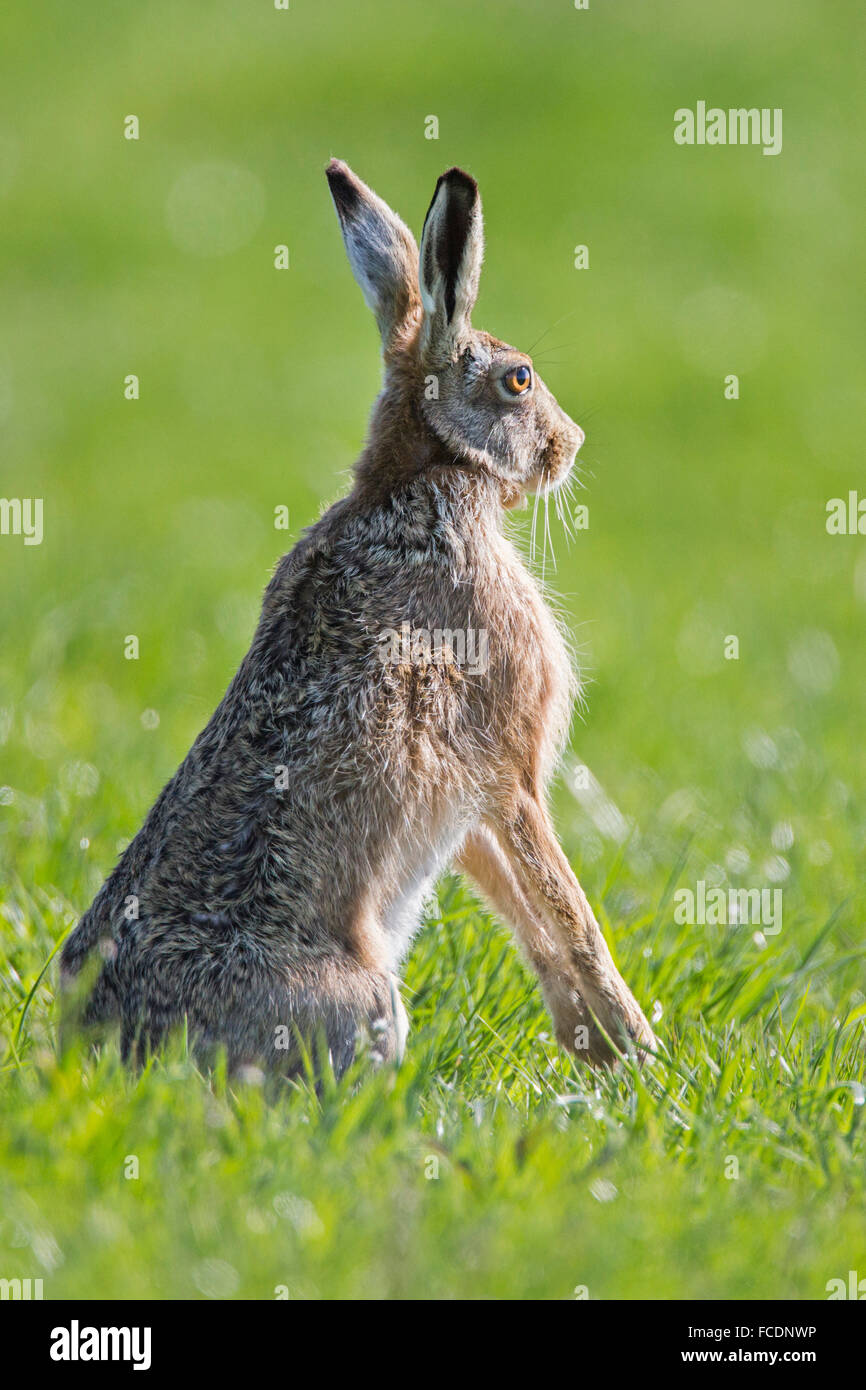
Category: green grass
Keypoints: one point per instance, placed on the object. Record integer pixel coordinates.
(706, 519)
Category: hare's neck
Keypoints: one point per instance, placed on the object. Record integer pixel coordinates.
(400, 462)
(469, 497)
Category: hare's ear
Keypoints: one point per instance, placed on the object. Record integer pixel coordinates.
(452, 248)
(381, 251)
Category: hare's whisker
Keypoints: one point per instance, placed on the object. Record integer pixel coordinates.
(559, 347)
(560, 501)
(548, 539)
(532, 530)
(547, 526)
(555, 324)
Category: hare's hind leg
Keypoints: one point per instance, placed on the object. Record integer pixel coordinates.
(265, 1013)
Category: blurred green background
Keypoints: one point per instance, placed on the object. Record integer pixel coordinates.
(155, 257)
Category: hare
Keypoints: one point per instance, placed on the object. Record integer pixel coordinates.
(277, 882)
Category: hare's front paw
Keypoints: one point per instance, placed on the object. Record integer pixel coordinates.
(613, 1007)
(623, 1020)
(576, 1029)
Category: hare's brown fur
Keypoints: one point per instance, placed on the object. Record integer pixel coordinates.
(277, 881)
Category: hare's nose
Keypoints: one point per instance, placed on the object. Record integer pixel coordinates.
(572, 431)
(576, 436)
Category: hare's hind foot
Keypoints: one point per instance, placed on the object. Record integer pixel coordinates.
(323, 1014)
(401, 1020)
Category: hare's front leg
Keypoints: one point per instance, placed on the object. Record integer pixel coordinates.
(526, 836)
(486, 864)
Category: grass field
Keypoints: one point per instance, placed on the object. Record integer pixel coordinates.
(490, 1165)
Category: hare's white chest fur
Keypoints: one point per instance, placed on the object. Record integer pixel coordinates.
(404, 914)
(545, 681)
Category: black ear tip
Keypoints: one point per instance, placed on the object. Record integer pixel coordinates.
(344, 186)
(461, 190)
(459, 179)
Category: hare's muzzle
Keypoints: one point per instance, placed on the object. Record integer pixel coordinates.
(561, 452)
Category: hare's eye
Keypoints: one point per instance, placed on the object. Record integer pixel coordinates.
(518, 380)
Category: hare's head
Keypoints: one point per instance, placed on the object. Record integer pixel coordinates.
(479, 398)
